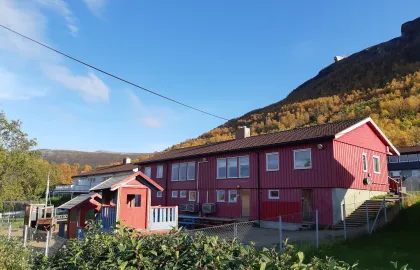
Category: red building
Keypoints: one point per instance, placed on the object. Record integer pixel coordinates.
(289, 172)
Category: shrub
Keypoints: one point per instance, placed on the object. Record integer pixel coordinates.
(13, 256)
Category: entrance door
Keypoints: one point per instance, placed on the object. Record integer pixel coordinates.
(307, 205)
(245, 201)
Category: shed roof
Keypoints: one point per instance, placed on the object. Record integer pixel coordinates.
(117, 181)
(294, 136)
(108, 169)
(78, 200)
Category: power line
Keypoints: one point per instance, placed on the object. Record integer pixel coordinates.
(112, 75)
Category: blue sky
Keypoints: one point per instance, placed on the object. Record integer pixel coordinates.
(225, 57)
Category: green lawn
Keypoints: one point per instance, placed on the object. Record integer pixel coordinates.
(399, 241)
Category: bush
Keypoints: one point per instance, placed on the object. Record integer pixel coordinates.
(176, 250)
(13, 256)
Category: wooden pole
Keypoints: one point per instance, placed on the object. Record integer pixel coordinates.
(47, 190)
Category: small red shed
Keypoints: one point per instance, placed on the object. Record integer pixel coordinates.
(128, 199)
(81, 209)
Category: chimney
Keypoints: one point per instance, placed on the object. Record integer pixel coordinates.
(127, 160)
(242, 133)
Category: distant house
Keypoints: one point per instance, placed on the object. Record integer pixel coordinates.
(407, 164)
(289, 172)
(86, 180)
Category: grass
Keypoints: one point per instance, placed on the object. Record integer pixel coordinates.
(399, 241)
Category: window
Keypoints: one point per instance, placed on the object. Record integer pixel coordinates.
(364, 161)
(403, 158)
(302, 159)
(413, 158)
(272, 161)
(191, 171)
(232, 167)
(393, 159)
(376, 165)
(175, 172)
(244, 167)
(233, 195)
(236, 167)
(134, 200)
(192, 195)
(274, 194)
(221, 168)
(395, 173)
(159, 171)
(91, 180)
(175, 194)
(159, 194)
(183, 171)
(221, 196)
(415, 172)
(148, 171)
(183, 194)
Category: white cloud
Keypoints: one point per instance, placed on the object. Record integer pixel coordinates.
(90, 87)
(148, 117)
(26, 18)
(150, 122)
(97, 7)
(12, 89)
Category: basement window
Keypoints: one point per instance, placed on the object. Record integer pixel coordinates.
(134, 200)
(192, 196)
(221, 197)
(175, 194)
(159, 194)
(183, 194)
(274, 194)
(233, 196)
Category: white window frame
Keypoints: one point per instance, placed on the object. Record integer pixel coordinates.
(389, 159)
(183, 194)
(172, 172)
(364, 162)
(294, 158)
(266, 161)
(186, 171)
(189, 195)
(217, 168)
(159, 171)
(403, 156)
(238, 168)
(149, 169)
(227, 167)
(217, 195)
(188, 165)
(272, 197)
(159, 194)
(236, 197)
(379, 164)
(174, 193)
(417, 157)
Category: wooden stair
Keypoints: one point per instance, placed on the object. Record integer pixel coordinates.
(358, 217)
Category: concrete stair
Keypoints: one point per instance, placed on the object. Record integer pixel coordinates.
(358, 217)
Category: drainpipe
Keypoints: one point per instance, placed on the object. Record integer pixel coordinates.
(258, 188)
(167, 182)
(204, 160)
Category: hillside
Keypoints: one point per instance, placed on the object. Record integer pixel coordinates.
(83, 158)
(382, 81)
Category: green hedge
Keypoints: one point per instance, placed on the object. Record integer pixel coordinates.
(13, 256)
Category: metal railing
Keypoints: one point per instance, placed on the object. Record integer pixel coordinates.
(163, 217)
(70, 188)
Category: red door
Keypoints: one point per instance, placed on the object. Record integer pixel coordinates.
(133, 207)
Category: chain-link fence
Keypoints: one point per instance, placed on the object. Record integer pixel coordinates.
(239, 230)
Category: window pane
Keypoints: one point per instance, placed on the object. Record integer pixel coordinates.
(159, 171)
(233, 194)
(403, 158)
(191, 171)
(221, 196)
(303, 159)
(376, 166)
(183, 194)
(148, 171)
(221, 168)
(272, 161)
(174, 194)
(182, 171)
(175, 172)
(244, 166)
(364, 162)
(413, 157)
(232, 167)
(393, 159)
(274, 194)
(192, 196)
(159, 194)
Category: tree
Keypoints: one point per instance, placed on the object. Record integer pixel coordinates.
(65, 173)
(86, 168)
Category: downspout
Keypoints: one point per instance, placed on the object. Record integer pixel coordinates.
(167, 182)
(198, 175)
(258, 187)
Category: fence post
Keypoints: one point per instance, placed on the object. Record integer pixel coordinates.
(316, 227)
(10, 231)
(385, 214)
(47, 243)
(235, 230)
(25, 235)
(281, 234)
(344, 221)
(367, 217)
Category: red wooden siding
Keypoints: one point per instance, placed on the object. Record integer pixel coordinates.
(363, 137)
(136, 217)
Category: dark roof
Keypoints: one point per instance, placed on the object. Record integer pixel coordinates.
(76, 201)
(409, 149)
(139, 176)
(110, 182)
(296, 135)
(109, 169)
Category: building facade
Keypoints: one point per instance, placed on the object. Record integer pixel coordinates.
(407, 164)
(290, 173)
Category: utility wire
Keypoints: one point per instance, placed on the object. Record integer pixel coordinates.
(112, 75)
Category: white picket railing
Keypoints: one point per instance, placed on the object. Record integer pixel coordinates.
(163, 218)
